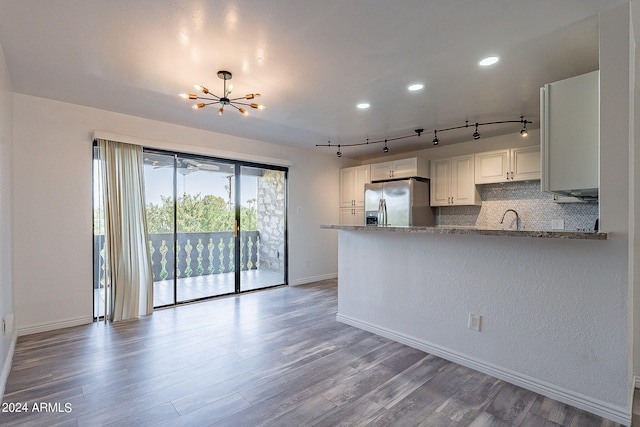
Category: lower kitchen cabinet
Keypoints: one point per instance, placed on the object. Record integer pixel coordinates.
(352, 216)
(453, 182)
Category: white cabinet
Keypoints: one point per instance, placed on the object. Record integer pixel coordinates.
(352, 181)
(352, 216)
(405, 168)
(516, 164)
(570, 136)
(453, 182)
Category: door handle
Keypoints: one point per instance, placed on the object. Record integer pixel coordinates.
(235, 228)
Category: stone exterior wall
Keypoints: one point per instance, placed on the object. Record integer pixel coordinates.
(271, 220)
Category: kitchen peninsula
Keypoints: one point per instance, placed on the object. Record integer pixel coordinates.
(520, 308)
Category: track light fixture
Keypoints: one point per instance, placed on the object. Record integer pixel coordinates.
(524, 132)
(476, 134)
(418, 132)
(223, 100)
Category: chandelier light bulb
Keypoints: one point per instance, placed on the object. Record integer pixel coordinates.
(221, 111)
(183, 96)
(242, 111)
(435, 141)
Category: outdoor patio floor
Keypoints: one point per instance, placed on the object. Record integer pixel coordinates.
(193, 288)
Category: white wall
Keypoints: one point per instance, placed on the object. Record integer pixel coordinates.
(7, 341)
(52, 204)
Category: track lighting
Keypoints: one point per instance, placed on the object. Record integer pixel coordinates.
(436, 141)
(524, 132)
(476, 134)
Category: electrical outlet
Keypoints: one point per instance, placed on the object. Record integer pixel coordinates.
(7, 324)
(557, 224)
(474, 321)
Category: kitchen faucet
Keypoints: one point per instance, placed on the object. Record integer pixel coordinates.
(517, 218)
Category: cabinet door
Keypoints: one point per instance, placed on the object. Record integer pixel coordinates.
(347, 185)
(463, 185)
(352, 216)
(440, 182)
(525, 163)
(492, 166)
(570, 132)
(381, 171)
(405, 168)
(362, 178)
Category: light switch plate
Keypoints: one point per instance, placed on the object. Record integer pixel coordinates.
(474, 321)
(557, 224)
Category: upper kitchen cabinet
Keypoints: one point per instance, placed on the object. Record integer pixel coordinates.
(405, 168)
(352, 181)
(570, 136)
(452, 182)
(516, 164)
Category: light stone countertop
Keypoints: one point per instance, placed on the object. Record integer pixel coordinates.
(474, 231)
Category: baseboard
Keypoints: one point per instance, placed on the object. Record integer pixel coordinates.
(6, 367)
(602, 409)
(311, 279)
(45, 327)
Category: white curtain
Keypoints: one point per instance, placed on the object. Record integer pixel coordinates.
(128, 260)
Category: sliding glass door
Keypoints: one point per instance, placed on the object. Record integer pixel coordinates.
(216, 227)
(263, 227)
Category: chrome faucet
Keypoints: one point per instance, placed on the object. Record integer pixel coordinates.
(517, 218)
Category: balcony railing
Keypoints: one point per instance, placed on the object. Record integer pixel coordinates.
(198, 254)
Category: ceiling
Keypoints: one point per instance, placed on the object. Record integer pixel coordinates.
(312, 61)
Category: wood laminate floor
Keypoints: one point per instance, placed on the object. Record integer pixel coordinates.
(275, 358)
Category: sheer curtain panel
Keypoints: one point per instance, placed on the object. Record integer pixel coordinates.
(128, 260)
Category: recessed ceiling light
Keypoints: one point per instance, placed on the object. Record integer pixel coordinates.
(363, 105)
(415, 86)
(490, 60)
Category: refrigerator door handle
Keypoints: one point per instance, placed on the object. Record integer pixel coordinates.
(384, 211)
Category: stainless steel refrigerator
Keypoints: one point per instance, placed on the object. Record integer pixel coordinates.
(398, 203)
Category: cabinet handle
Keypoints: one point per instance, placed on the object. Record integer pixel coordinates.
(512, 175)
(507, 176)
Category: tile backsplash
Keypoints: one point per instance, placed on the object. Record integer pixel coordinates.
(535, 208)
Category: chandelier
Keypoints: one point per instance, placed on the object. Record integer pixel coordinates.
(224, 100)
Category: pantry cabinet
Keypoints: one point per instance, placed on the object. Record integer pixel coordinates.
(352, 181)
(516, 164)
(453, 182)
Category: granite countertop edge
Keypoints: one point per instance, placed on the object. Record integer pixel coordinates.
(472, 231)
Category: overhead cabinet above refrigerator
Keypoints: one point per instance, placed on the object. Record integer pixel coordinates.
(570, 136)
